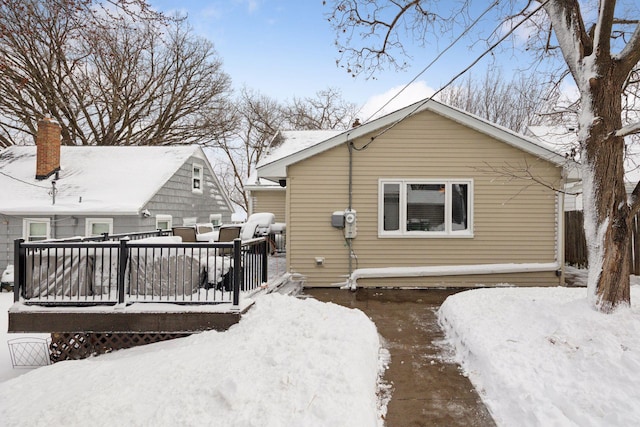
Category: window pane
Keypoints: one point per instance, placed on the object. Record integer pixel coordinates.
(391, 207)
(36, 231)
(164, 222)
(459, 206)
(97, 228)
(425, 207)
(197, 177)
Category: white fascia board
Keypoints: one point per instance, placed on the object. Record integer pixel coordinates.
(274, 188)
(264, 188)
(278, 168)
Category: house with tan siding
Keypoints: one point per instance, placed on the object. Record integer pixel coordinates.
(267, 195)
(425, 196)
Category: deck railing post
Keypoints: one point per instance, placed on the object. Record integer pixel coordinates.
(123, 256)
(20, 269)
(265, 259)
(237, 271)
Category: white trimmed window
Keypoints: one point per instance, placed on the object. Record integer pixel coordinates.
(196, 178)
(215, 219)
(98, 226)
(425, 208)
(35, 229)
(164, 222)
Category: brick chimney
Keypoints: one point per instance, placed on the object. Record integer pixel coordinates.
(48, 148)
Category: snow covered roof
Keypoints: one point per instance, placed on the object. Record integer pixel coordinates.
(255, 183)
(284, 144)
(92, 180)
(275, 168)
(564, 138)
(557, 138)
(293, 141)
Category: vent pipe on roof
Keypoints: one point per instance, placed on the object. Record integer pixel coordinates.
(48, 148)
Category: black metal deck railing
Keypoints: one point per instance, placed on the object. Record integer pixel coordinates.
(123, 269)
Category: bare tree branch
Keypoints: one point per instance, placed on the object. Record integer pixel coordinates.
(514, 104)
(112, 73)
(522, 172)
(630, 55)
(628, 130)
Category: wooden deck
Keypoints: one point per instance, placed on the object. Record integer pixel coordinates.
(142, 318)
(131, 319)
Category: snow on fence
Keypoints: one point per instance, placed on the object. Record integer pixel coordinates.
(154, 268)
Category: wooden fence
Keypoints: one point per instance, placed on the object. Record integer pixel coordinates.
(575, 246)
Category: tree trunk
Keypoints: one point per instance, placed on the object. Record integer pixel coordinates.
(607, 212)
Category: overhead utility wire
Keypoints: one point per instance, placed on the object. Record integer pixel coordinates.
(466, 30)
(493, 46)
(24, 182)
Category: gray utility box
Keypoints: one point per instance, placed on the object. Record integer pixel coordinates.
(337, 219)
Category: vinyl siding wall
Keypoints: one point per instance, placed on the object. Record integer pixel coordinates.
(63, 226)
(174, 198)
(270, 201)
(514, 220)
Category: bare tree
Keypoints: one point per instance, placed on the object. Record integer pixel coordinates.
(261, 117)
(327, 110)
(600, 56)
(515, 104)
(112, 72)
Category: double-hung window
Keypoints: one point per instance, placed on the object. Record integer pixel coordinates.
(196, 178)
(98, 226)
(215, 219)
(425, 208)
(164, 222)
(35, 229)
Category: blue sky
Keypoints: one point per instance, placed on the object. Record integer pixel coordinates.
(285, 49)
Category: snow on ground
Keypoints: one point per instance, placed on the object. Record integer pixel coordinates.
(538, 356)
(289, 362)
(543, 357)
(6, 372)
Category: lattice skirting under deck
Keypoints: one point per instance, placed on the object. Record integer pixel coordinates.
(73, 346)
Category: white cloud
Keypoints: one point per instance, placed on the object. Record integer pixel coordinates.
(252, 5)
(211, 12)
(414, 92)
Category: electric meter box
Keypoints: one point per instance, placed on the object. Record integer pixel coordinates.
(350, 226)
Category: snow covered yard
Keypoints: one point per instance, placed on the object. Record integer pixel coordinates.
(538, 356)
(543, 357)
(288, 362)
